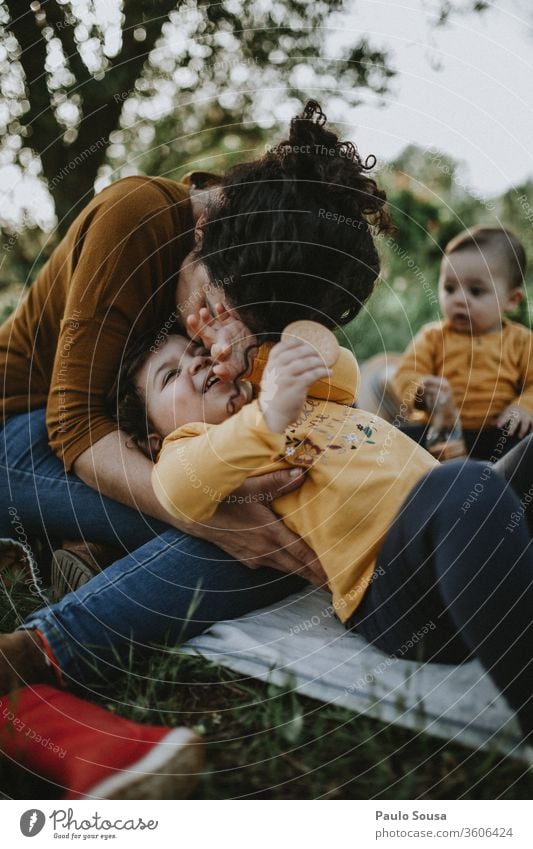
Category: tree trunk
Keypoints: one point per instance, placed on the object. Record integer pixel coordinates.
(70, 169)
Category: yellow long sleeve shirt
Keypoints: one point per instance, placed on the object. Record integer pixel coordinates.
(360, 470)
(486, 373)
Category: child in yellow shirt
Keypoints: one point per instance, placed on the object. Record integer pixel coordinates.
(405, 548)
(485, 360)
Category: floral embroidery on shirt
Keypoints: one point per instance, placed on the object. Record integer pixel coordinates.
(339, 430)
(302, 452)
(368, 432)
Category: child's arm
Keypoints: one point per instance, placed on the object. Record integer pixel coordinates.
(293, 368)
(518, 415)
(415, 383)
(227, 337)
(340, 385)
(200, 465)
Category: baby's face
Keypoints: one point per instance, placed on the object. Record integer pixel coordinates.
(179, 387)
(474, 292)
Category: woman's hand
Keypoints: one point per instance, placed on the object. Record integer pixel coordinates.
(225, 336)
(247, 529)
(293, 366)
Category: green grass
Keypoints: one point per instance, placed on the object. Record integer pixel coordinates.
(267, 743)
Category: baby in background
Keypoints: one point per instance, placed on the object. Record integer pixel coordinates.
(482, 358)
(359, 468)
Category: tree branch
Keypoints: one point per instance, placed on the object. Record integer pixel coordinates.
(40, 119)
(56, 18)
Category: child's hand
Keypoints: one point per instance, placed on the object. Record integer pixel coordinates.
(432, 390)
(515, 419)
(225, 336)
(293, 366)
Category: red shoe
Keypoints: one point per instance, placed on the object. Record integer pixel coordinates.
(92, 753)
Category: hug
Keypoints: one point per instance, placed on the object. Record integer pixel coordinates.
(95, 392)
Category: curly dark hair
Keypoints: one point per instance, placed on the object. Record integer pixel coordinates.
(290, 235)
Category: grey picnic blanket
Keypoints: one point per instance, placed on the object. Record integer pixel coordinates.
(299, 644)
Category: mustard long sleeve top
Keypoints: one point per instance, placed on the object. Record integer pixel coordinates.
(359, 471)
(114, 274)
(486, 373)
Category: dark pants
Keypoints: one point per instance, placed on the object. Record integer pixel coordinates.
(457, 569)
(490, 443)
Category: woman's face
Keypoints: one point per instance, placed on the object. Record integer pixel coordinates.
(194, 289)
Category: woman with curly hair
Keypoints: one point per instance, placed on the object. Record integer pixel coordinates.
(272, 240)
(286, 237)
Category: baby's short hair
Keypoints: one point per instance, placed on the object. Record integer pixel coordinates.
(498, 238)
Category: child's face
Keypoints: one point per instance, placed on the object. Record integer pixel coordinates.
(179, 387)
(473, 291)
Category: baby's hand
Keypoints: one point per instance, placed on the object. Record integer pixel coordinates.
(432, 390)
(293, 366)
(515, 419)
(225, 336)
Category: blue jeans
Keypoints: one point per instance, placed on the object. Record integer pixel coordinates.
(168, 588)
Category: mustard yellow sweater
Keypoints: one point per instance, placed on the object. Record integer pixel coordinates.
(114, 273)
(486, 373)
(360, 470)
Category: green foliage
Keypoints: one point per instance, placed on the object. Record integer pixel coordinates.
(85, 86)
(22, 256)
(430, 203)
(216, 149)
(79, 83)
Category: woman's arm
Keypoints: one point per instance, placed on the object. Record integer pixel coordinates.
(128, 242)
(116, 468)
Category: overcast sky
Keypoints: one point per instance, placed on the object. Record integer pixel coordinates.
(477, 105)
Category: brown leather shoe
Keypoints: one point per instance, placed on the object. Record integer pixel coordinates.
(78, 562)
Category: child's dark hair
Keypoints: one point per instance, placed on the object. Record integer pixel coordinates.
(125, 403)
(290, 235)
(500, 239)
